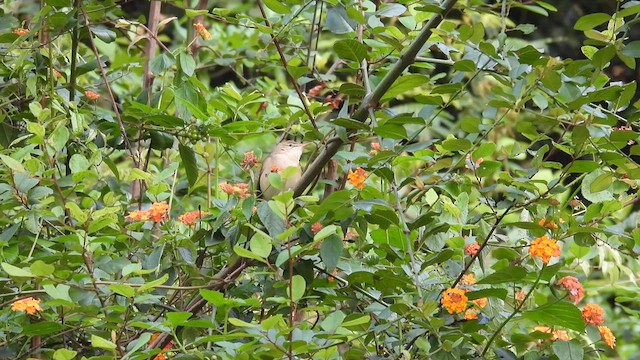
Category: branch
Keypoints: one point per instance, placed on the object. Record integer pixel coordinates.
(283, 59)
(371, 100)
(225, 276)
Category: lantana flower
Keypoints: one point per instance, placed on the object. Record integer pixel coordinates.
(92, 95)
(357, 178)
(573, 287)
(556, 334)
(593, 314)
(28, 305)
(454, 300)
(607, 336)
(240, 189)
(189, 218)
(204, 33)
(544, 248)
(472, 249)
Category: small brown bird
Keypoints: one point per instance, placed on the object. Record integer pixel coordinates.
(285, 154)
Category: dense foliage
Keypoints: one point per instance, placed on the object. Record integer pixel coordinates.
(469, 191)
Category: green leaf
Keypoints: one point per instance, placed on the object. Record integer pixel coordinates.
(41, 328)
(602, 182)
(152, 284)
(189, 162)
(15, 271)
(277, 6)
(560, 313)
(596, 196)
(64, 354)
(568, 350)
(12, 163)
(350, 50)
(590, 21)
(178, 318)
(333, 321)
(330, 252)
(457, 144)
(392, 131)
(58, 292)
(632, 49)
(298, 286)
(356, 320)
(404, 84)
(260, 244)
(391, 10)
(101, 343)
(242, 252)
(40, 268)
(485, 293)
(122, 289)
(506, 275)
(465, 65)
(187, 64)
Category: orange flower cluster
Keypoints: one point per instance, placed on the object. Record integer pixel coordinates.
(573, 287)
(467, 279)
(91, 95)
(375, 146)
(157, 212)
(167, 347)
(593, 314)
(454, 300)
(240, 189)
(28, 305)
(607, 336)
(357, 178)
(544, 248)
(20, 32)
(472, 314)
(557, 334)
(472, 249)
(249, 161)
(189, 218)
(520, 296)
(204, 33)
(548, 224)
(316, 227)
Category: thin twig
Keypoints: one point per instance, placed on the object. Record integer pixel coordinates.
(285, 64)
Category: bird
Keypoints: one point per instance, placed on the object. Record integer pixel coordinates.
(285, 154)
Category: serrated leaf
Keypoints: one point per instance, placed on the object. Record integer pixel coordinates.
(506, 275)
(560, 313)
(350, 50)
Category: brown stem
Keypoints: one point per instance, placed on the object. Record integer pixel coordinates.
(362, 113)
